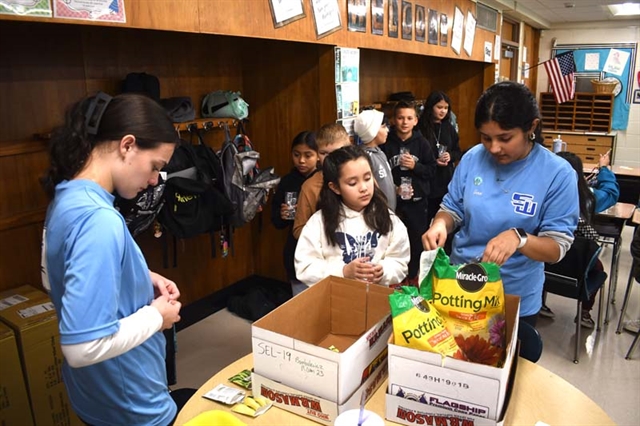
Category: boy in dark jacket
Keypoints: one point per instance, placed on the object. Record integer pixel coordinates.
(418, 162)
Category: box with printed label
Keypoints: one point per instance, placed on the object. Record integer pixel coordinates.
(14, 402)
(452, 384)
(312, 406)
(411, 409)
(35, 324)
(291, 344)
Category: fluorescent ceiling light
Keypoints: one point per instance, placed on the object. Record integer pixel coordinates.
(626, 9)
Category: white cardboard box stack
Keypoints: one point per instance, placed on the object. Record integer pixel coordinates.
(293, 366)
(424, 388)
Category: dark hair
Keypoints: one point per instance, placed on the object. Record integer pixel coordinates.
(403, 105)
(587, 199)
(305, 138)
(426, 123)
(376, 214)
(511, 105)
(71, 144)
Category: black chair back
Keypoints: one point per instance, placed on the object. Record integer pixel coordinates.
(530, 342)
(567, 278)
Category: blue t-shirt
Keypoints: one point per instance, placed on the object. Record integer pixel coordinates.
(538, 193)
(98, 276)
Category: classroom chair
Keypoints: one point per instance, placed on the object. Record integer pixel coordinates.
(530, 342)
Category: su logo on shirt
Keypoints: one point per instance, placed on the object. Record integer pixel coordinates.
(524, 204)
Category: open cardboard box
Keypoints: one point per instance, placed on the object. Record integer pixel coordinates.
(290, 344)
(451, 384)
(411, 412)
(311, 406)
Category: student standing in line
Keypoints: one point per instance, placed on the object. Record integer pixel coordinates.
(304, 154)
(355, 234)
(436, 127)
(410, 156)
(515, 202)
(111, 308)
(370, 127)
(328, 138)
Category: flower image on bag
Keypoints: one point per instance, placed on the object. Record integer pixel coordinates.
(470, 298)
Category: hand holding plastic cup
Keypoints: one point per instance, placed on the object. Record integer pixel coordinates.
(442, 149)
(403, 151)
(291, 199)
(405, 188)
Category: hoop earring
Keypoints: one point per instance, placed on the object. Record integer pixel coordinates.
(532, 136)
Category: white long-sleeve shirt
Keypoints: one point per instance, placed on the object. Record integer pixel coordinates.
(315, 259)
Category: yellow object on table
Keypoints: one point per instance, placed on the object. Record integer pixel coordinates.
(215, 417)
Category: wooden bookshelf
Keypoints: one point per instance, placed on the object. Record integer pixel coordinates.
(586, 112)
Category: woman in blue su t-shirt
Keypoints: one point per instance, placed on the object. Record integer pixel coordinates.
(111, 308)
(516, 202)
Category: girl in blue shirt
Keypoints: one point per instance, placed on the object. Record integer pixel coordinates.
(111, 308)
(515, 202)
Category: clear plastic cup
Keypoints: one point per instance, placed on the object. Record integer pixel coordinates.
(405, 188)
(291, 199)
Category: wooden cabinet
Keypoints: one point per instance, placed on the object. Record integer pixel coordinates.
(586, 112)
(588, 147)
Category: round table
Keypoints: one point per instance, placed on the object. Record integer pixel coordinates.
(538, 395)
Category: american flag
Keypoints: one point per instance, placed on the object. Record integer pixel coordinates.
(560, 71)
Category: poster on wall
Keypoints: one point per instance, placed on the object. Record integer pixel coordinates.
(407, 20)
(326, 15)
(470, 33)
(26, 7)
(347, 82)
(592, 62)
(488, 51)
(285, 12)
(420, 24)
(393, 19)
(357, 15)
(456, 31)
(90, 10)
(444, 30)
(616, 62)
(377, 17)
(433, 26)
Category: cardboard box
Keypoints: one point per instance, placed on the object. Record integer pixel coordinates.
(290, 344)
(35, 324)
(14, 402)
(452, 384)
(311, 406)
(411, 412)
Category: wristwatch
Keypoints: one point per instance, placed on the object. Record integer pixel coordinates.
(522, 234)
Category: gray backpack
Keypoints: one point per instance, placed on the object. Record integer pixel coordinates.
(245, 184)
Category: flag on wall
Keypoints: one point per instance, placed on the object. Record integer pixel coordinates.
(560, 71)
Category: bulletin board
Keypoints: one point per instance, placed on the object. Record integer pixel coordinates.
(591, 61)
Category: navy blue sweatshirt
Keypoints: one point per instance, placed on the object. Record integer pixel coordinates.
(425, 169)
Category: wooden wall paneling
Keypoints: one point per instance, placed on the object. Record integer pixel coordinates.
(186, 64)
(41, 72)
(172, 15)
(251, 18)
(532, 42)
(20, 256)
(284, 93)
(175, 15)
(20, 185)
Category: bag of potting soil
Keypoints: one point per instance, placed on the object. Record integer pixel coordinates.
(470, 298)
